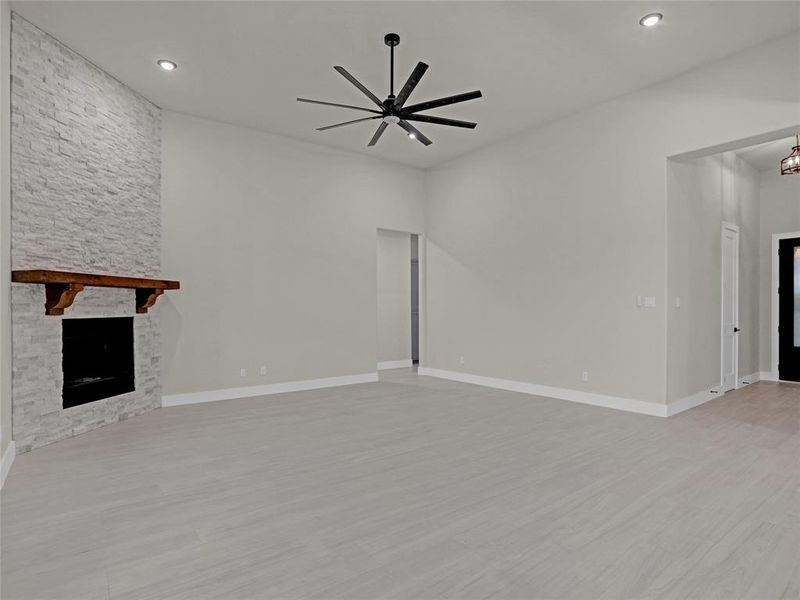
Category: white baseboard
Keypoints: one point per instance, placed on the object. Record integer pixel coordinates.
(626, 404)
(266, 389)
(673, 408)
(395, 364)
(7, 461)
(770, 376)
(749, 379)
(767, 376)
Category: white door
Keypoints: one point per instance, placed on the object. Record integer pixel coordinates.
(730, 306)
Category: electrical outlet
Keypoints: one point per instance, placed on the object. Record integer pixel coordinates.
(263, 369)
(242, 372)
(461, 360)
(585, 376)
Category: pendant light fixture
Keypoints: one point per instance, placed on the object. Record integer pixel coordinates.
(791, 164)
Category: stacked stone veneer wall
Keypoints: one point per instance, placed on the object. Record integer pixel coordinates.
(86, 178)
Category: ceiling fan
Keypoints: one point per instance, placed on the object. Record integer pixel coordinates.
(393, 110)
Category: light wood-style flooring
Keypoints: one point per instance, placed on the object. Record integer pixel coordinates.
(413, 488)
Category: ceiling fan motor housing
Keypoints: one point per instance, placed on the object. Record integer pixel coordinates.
(391, 39)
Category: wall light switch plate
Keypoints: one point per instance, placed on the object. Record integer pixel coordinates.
(242, 372)
(677, 302)
(649, 301)
(585, 376)
(263, 370)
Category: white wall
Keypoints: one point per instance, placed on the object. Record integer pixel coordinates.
(538, 246)
(702, 194)
(695, 215)
(780, 213)
(5, 227)
(394, 296)
(748, 216)
(274, 244)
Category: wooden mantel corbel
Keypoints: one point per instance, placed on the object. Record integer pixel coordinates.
(60, 296)
(61, 287)
(146, 297)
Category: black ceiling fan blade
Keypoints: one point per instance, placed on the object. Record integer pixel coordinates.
(442, 101)
(411, 130)
(410, 84)
(440, 121)
(381, 128)
(347, 123)
(339, 105)
(360, 86)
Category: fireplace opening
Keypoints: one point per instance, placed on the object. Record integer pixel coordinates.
(97, 359)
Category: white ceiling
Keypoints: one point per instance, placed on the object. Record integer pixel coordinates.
(767, 157)
(246, 62)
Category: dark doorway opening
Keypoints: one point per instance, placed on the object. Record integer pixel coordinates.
(789, 310)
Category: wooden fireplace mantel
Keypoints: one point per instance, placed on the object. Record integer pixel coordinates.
(61, 287)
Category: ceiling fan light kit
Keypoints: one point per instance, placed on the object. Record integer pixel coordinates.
(393, 110)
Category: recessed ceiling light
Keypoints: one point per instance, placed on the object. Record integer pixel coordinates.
(651, 19)
(167, 65)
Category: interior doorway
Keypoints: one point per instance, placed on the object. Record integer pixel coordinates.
(414, 299)
(737, 183)
(730, 307)
(398, 310)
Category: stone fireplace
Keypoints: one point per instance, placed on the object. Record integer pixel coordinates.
(86, 180)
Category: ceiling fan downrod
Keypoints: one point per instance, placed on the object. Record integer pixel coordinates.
(391, 40)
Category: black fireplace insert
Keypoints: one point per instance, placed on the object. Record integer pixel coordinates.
(97, 359)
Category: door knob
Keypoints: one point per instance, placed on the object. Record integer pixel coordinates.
(736, 330)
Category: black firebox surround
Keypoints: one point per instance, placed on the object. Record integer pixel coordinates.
(97, 359)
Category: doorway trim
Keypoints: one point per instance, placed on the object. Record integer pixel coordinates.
(729, 227)
(773, 334)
